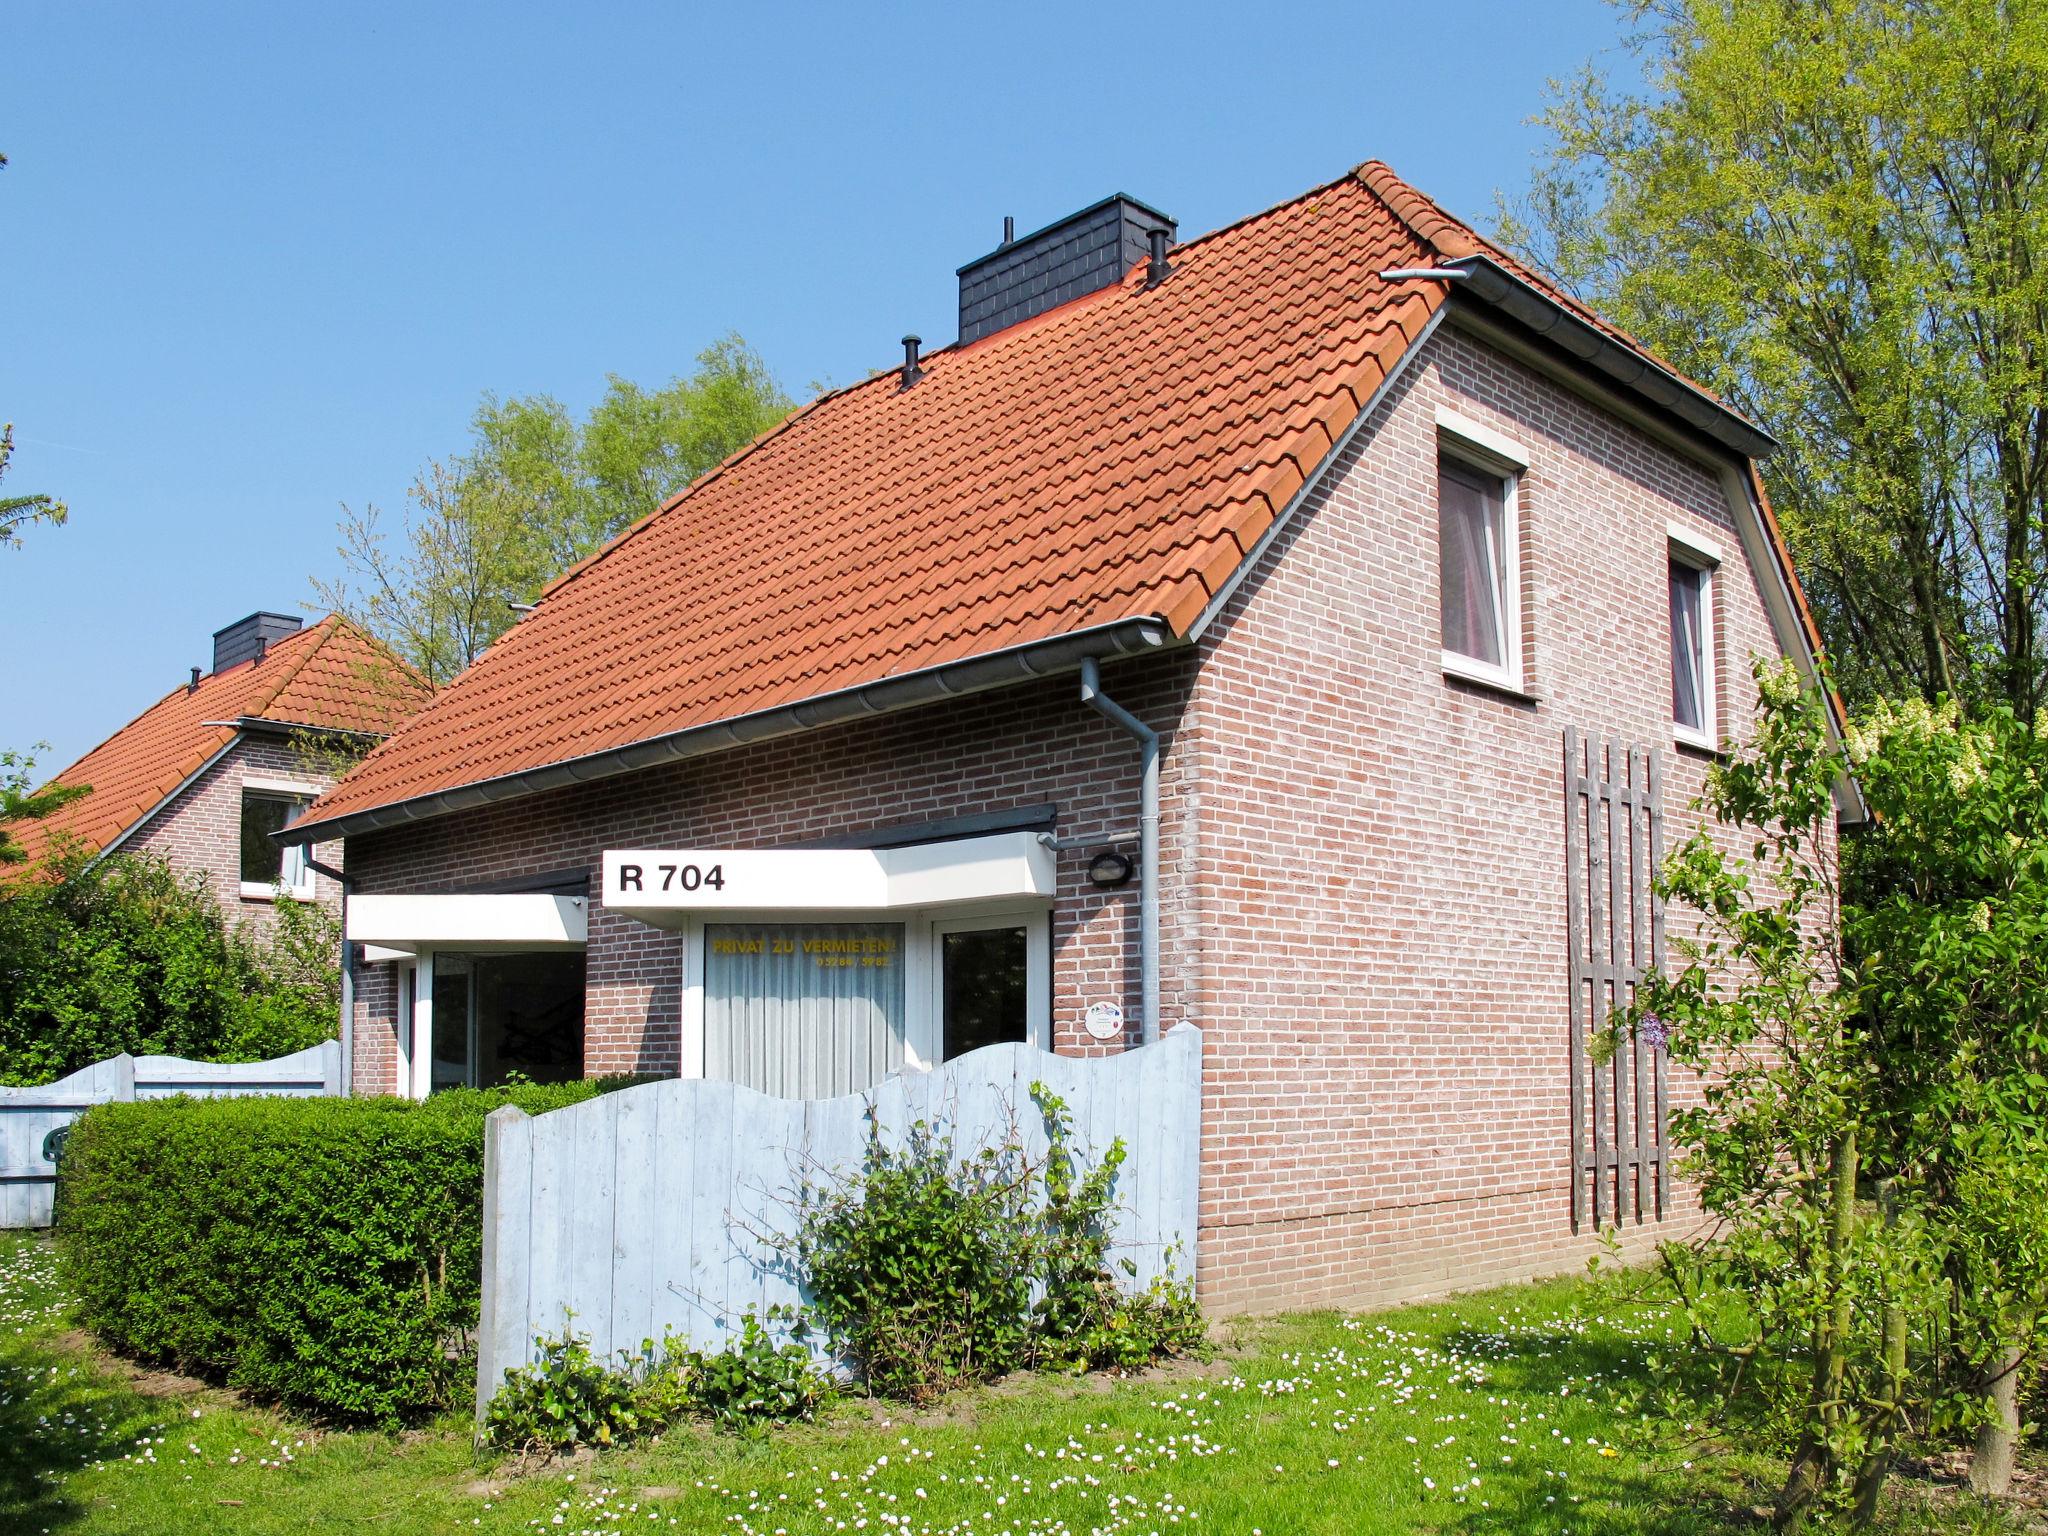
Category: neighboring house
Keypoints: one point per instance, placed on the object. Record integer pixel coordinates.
(833, 766)
(204, 776)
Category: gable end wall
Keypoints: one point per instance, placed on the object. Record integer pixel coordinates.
(1380, 886)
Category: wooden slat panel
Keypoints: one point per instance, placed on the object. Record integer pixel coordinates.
(1575, 928)
(719, 1161)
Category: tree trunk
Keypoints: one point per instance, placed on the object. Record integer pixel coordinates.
(1877, 1465)
(1813, 1464)
(1991, 1466)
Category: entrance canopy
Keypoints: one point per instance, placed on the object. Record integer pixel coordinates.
(664, 887)
(397, 927)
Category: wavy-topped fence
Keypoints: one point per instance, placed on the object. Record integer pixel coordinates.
(657, 1208)
(33, 1120)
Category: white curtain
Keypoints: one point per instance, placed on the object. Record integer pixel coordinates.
(803, 1010)
(1688, 674)
(1470, 514)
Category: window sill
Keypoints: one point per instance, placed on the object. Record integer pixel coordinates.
(1495, 679)
(1695, 741)
(256, 890)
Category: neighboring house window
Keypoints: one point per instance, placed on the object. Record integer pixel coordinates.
(266, 868)
(1694, 704)
(1478, 534)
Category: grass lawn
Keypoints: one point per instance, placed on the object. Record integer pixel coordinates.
(1501, 1412)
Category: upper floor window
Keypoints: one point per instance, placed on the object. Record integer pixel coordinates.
(1478, 534)
(266, 868)
(1694, 703)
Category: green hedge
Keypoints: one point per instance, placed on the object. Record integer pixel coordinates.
(322, 1253)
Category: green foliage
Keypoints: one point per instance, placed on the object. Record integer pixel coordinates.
(755, 1381)
(1843, 1278)
(535, 493)
(17, 512)
(1831, 214)
(118, 955)
(1873, 1132)
(568, 1397)
(922, 1269)
(322, 1253)
(21, 800)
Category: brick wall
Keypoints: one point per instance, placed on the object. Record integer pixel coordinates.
(1362, 861)
(1002, 751)
(200, 832)
(1381, 860)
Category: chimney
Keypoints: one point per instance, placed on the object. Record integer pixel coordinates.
(911, 372)
(193, 686)
(1078, 254)
(248, 639)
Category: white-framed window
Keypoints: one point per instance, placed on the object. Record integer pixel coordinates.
(813, 1005)
(269, 871)
(1479, 590)
(1695, 698)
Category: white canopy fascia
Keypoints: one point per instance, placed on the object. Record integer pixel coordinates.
(398, 926)
(662, 887)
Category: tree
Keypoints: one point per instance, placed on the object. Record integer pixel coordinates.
(534, 493)
(1949, 911)
(1836, 215)
(17, 512)
(21, 801)
(1761, 1005)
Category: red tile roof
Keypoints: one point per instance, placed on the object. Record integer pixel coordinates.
(1113, 459)
(330, 676)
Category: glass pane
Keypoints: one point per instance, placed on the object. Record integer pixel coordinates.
(529, 1018)
(262, 815)
(1688, 659)
(983, 988)
(451, 1023)
(1471, 509)
(804, 1010)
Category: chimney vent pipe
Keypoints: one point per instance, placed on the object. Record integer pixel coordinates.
(911, 371)
(193, 686)
(1155, 274)
(1009, 230)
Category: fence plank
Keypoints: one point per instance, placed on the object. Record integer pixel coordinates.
(671, 1200)
(29, 1116)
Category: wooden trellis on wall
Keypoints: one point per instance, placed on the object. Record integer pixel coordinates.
(1614, 842)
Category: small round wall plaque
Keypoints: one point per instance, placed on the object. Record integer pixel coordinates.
(1103, 1021)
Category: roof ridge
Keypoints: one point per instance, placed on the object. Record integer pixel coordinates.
(1418, 212)
(327, 623)
(810, 407)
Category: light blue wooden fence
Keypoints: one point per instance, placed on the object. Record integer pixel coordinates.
(657, 1208)
(32, 1119)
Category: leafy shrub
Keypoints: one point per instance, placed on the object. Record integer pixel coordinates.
(755, 1381)
(324, 1253)
(922, 1269)
(122, 955)
(568, 1397)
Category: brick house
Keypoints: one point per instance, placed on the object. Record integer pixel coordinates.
(1197, 639)
(204, 775)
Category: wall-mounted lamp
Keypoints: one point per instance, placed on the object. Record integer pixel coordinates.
(1109, 869)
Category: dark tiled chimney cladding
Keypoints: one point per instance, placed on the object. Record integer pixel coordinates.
(247, 639)
(1079, 254)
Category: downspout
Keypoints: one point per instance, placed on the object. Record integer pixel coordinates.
(1148, 844)
(348, 979)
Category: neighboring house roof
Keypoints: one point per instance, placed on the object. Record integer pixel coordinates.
(329, 677)
(1090, 478)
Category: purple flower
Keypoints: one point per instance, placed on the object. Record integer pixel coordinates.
(1653, 1031)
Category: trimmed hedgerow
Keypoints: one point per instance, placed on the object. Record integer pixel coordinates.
(322, 1253)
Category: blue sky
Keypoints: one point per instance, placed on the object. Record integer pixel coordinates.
(258, 260)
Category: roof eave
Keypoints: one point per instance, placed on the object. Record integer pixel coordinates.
(973, 674)
(1491, 284)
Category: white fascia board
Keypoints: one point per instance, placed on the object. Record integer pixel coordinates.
(661, 885)
(512, 922)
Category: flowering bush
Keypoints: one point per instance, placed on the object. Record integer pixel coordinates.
(922, 1270)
